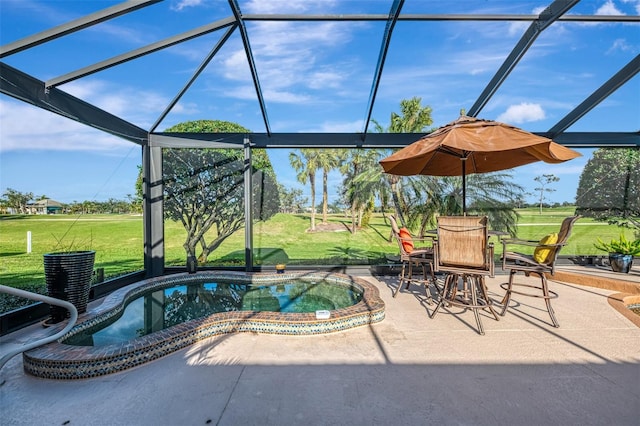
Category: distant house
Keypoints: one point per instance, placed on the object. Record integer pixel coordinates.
(46, 206)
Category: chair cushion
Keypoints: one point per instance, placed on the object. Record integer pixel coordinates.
(541, 254)
(407, 240)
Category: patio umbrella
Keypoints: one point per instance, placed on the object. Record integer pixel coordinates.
(473, 145)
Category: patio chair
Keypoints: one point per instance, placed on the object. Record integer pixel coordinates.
(540, 263)
(462, 250)
(411, 255)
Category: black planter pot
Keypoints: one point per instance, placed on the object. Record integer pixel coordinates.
(620, 262)
(68, 277)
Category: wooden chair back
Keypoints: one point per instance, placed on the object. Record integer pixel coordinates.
(396, 234)
(463, 245)
(563, 236)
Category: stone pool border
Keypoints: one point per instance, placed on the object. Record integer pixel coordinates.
(65, 362)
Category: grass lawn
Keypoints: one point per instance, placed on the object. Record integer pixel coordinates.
(117, 240)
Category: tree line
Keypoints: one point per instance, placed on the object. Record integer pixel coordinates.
(20, 202)
(204, 188)
(415, 200)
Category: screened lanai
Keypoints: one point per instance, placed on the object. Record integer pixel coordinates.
(317, 75)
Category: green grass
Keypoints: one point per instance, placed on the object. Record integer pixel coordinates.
(117, 240)
(533, 226)
(289, 233)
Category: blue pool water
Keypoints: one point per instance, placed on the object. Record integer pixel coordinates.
(159, 309)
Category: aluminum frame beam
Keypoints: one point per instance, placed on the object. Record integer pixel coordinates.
(546, 18)
(597, 139)
(248, 206)
(435, 17)
(621, 77)
(195, 140)
(153, 211)
(195, 75)
(134, 54)
(130, 6)
(355, 140)
(73, 26)
(26, 88)
(382, 56)
(252, 65)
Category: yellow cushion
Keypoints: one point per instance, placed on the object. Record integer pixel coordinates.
(540, 254)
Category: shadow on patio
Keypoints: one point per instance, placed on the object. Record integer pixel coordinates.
(408, 369)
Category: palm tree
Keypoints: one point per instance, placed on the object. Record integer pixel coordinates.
(421, 201)
(491, 194)
(413, 118)
(495, 195)
(327, 160)
(359, 190)
(418, 200)
(306, 164)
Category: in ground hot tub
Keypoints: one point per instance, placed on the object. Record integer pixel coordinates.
(172, 312)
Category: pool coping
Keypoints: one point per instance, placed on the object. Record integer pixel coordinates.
(626, 286)
(65, 362)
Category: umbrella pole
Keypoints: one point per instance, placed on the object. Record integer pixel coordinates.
(464, 186)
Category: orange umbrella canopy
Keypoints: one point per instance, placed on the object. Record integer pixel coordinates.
(472, 145)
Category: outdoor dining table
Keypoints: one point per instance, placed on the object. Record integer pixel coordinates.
(498, 234)
(463, 297)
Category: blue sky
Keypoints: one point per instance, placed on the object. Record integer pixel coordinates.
(316, 77)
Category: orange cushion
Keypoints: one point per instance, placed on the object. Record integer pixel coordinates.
(407, 241)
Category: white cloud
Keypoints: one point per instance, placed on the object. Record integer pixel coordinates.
(325, 79)
(289, 6)
(288, 97)
(474, 62)
(609, 8)
(292, 69)
(25, 127)
(518, 28)
(121, 101)
(620, 44)
(339, 127)
(246, 92)
(183, 4)
(235, 66)
(634, 3)
(186, 108)
(522, 113)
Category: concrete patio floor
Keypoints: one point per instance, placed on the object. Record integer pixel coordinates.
(407, 370)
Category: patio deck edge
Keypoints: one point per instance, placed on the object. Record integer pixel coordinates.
(628, 291)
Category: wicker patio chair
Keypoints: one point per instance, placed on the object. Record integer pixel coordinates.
(410, 255)
(462, 250)
(541, 263)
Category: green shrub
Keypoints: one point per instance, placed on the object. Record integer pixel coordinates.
(621, 245)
